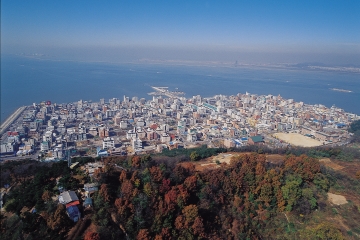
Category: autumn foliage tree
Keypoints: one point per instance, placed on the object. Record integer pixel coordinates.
(143, 235)
(235, 201)
(105, 192)
(156, 174)
(135, 161)
(46, 196)
(190, 212)
(144, 197)
(59, 220)
(92, 236)
(198, 227)
(358, 174)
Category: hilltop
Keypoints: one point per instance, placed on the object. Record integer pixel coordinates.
(195, 193)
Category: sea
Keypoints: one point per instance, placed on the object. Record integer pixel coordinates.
(27, 80)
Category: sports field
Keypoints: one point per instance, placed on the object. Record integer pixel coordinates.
(298, 139)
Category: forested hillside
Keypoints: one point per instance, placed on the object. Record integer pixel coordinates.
(144, 197)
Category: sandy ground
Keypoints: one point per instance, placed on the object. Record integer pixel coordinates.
(298, 139)
(327, 162)
(210, 163)
(224, 157)
(275, 158)
(336, 199)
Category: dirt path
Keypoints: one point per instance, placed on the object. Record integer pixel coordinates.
(79, 228)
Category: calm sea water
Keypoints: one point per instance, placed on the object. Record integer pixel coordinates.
(28, 80)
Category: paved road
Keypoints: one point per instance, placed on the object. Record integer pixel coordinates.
(11, 119)
(34, 156)
(14, 158)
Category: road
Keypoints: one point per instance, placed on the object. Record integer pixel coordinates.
(11, 119)
(14, 158)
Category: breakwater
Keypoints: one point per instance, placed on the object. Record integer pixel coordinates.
(6, 124)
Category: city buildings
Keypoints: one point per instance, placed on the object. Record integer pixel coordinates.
(142, 126)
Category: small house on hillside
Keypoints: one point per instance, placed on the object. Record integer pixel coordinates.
(68, 197)
(71, 201)
(73, 213)
(88, 203)
(90, 168)
(90, 188)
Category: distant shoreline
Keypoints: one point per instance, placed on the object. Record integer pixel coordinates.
(227, 64)
(341, 90)
(67, 81)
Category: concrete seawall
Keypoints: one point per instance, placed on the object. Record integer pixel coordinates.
(11, 119)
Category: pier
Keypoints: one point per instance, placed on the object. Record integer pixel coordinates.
(11, 119)
(164, 91)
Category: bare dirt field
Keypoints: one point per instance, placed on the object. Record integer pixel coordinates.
(328, 163)
(348, 168)
(206, 166)
(218, 161)
(224, 157)
(337, 199)
(275, 158)
(211, 163)
(298, 139)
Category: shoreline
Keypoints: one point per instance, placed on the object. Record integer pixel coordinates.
(341, 90)
(6, 124)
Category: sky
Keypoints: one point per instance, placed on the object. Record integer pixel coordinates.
(248, 31)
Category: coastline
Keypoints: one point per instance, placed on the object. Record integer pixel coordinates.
(312, 87)
(5, 125)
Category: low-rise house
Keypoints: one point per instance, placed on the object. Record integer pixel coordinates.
(90, 188)
(73, 213)
(90, 168)
(256, 140)
(102, 153)
(68, 197)
(88, 202)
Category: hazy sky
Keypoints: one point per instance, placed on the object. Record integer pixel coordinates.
(254, 31)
